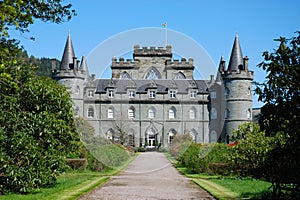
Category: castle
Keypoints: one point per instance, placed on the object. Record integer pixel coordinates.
(152, 97)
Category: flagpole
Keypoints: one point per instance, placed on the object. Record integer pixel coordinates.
(166, 33)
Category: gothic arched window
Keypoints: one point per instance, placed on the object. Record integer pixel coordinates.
(171, 135)
(151, 113)
(131, 112)
(125, 75)
(172, 113)
(179, 75)
(152, 73)
(192, 113)
(110, 113)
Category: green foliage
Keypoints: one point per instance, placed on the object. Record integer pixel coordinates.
(37, 132)
(180, 144)
(280, 115)
(205, 158)
(249, 156)
(19, 14)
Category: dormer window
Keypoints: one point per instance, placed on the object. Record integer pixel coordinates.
(90, 93)
(193, 94)
(111, 93)
(131, 94)
(172, 94)
(152, 94)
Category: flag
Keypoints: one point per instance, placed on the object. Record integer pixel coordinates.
(164, 24)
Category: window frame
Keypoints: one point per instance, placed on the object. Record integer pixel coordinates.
(172, 94)
(152, 94)
(110, 93)
(193, 94)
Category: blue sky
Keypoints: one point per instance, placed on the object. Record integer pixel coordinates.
(213, 24)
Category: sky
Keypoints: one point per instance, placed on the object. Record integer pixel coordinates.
(211, 24)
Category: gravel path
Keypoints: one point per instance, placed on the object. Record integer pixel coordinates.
(149, 176)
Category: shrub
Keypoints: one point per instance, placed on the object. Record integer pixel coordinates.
(77, 164)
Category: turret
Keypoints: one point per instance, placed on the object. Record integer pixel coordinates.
(72, 74)
(238, 95)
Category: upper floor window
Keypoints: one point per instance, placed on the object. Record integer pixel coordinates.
(249, 91)
(152, 94)
(179, 75)
(152, 73)
(110, 113)
(131, 113)
(172, 94)
(151, 113)
(193, 94)
(90, 112)
(172, 113)
(90, 93)
(227, 91)
(227, 113)
(249, 113)
(192, 113)
(131, 94)
(213, 113)
(124, 75)
(111, 93)
(213, 95)
(77, 90)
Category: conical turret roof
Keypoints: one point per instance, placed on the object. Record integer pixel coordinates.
(236, 58)
(68, 55)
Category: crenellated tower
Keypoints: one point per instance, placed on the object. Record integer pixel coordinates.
(73, 74)
(237, 80)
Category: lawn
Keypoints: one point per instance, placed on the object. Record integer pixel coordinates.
(71, 185)
(223, 187)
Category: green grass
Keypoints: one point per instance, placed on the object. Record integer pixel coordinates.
(247, 188)
(71, 185)
(226, 187)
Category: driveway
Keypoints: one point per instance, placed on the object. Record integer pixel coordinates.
(149, 176)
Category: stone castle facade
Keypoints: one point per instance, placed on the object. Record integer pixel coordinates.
(152, 97)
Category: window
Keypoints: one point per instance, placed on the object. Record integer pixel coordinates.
(152, 94)
(213, 114)
(227, 113)
(213, 136)
(110, 113)
(227, 91)
(171, 135)
(249, 91)
(76, 111)
(110, 134)
(172, 113)
(193, 134)
(77, 90)
(131, 94)
(213, 95)
(90, 93)
(179, 75)
(111, 93)
(151, 113)
(131, 113)
(125, 75)
(249, 113)
(91, 112)
(193, 94)
(153, 73)
(172, 94)
(192, 113)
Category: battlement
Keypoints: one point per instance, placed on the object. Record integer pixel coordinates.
(123, 63)
(182, 63)
(239, 74)
(152, 51)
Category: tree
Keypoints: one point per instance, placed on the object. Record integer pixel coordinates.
(280, 114)
(37, 129)
(19, 14)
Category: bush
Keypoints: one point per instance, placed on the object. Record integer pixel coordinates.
(180, 144)
(77, 164)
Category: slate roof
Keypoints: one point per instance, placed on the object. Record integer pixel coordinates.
(236, 59)
(143, 85)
